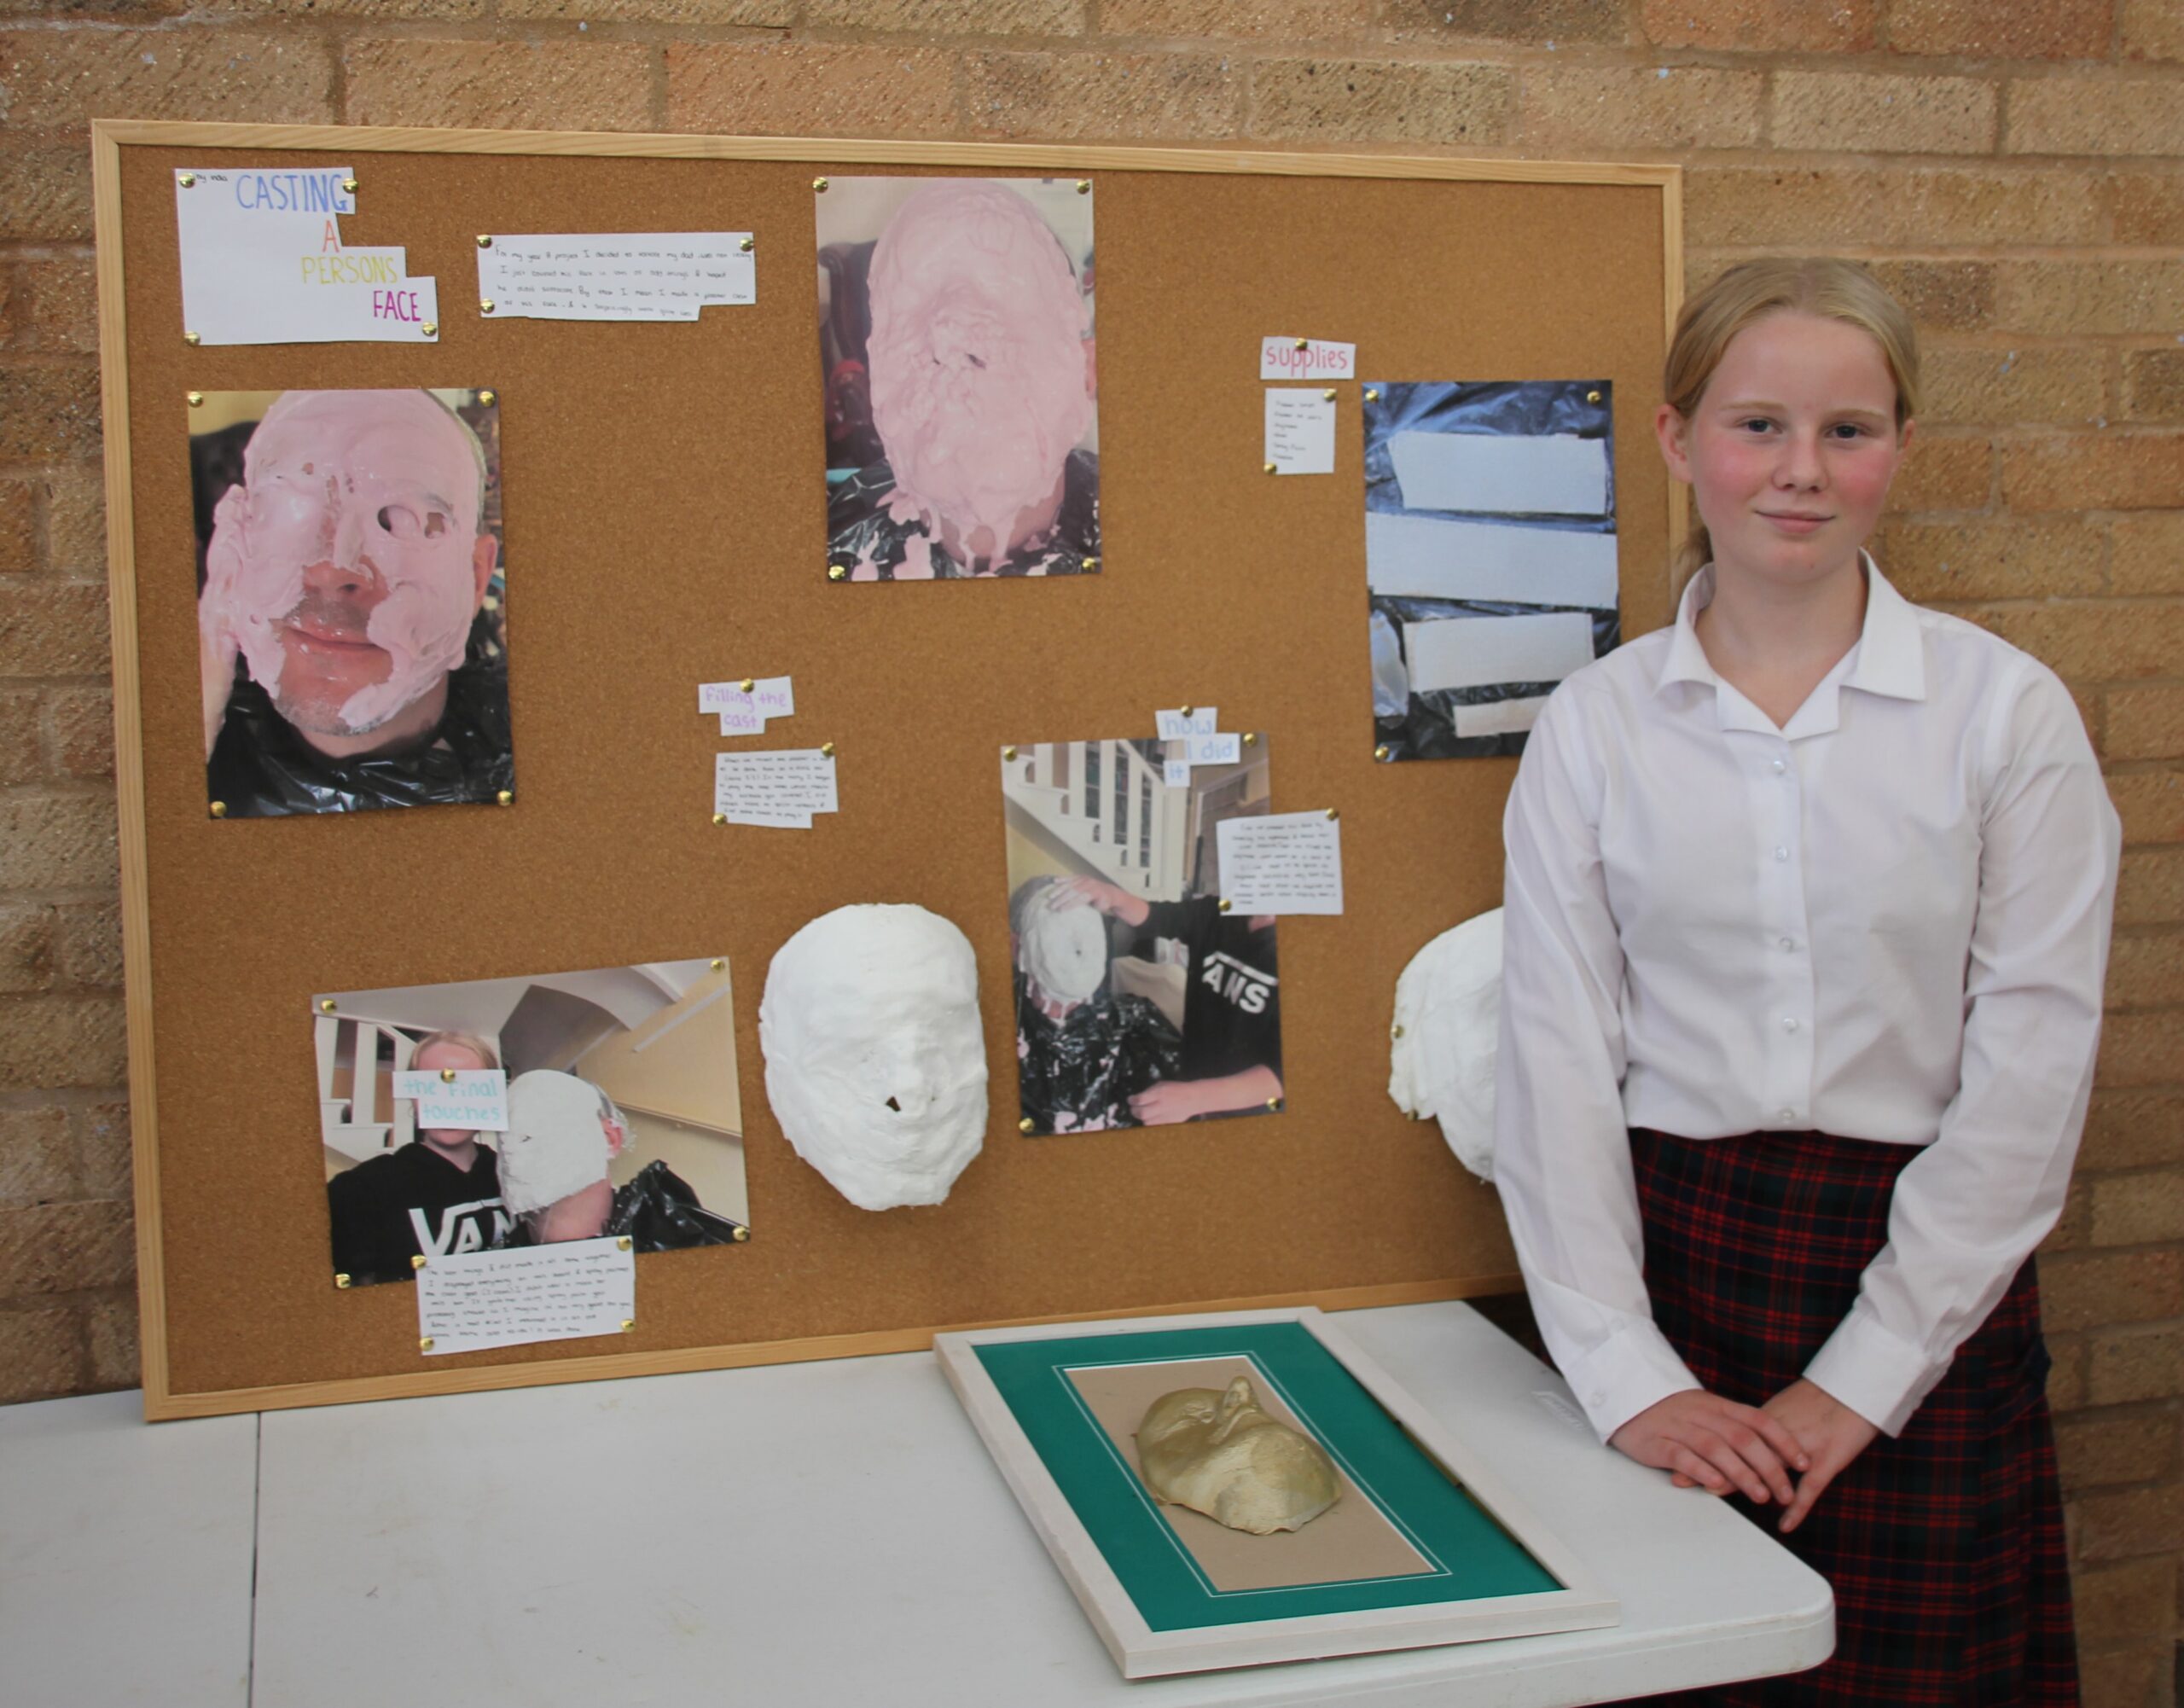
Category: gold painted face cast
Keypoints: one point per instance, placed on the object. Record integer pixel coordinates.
(1221, 1455)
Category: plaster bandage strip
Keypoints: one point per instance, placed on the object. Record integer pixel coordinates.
(1510, 475)
(1479, 651)
(557, 1143)
(1423, 557)
(1500, 717)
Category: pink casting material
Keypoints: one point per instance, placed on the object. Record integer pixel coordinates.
(979, 361)
(382, 487)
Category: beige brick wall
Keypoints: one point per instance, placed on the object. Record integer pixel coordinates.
(2015, 168)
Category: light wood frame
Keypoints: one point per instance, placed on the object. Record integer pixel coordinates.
(1143, 1652)
(109, 136)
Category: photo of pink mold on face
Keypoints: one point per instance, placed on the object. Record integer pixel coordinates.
(347, 568)
(957, 343)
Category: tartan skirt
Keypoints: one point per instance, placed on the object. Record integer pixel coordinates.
(1944, 1546)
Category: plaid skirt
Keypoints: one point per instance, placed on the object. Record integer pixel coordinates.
(1944, 1546)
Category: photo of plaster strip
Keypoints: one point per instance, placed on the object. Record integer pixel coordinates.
(1515, 475)
(1481, 652)
(1424, 557)
(1499, 716)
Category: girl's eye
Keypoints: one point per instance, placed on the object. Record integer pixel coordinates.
(1756, 424)
(1847, 430)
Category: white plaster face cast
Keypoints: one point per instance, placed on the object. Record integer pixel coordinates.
(1065, 950)
(348, 563)
(1447, 1023)
(563, 1132)
(876, 1057)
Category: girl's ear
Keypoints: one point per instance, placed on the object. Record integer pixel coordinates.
(1672, 430)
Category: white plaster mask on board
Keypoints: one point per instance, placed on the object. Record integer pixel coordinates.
(1448, 1022)
(562, 1133)
(1065, 950)
(353, 535)
(875, 1056)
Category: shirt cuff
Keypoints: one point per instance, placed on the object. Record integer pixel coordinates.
(1633, 1368)
(1876, 1374)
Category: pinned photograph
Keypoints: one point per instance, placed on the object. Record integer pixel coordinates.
(505, 1112)
(1141, 1000)
(1490, 554)
(351, 599)
(956, 342)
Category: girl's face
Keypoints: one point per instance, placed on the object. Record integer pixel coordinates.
(1792, 447)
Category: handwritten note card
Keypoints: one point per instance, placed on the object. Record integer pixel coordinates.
(1281, 359)
(782, 788)
(1300, 432)
(477, 1099)
(743, 713)
(534, 1293)
(615, 276)
(1199, 720)
(262, 263)
(1287, 863)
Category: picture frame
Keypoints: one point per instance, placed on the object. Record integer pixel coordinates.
(1488, 1568)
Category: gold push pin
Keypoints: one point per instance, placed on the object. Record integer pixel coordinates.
(622, 1243)
(1592, 397)
(1395, 1032)
(718, 964)
(1372, 394)
(185, 179)
(1328, 394)
(1303, 344)
(349, 184)
(196, 400)
(720, 818)
(417, 1262)
(447, 1076)
(1273, 1106)
(741, 1235)
(826, 748)
(1009, 753)
(488, 397)
(628, 1323)
(747, 684)
(835, 571)
(326, 1005)
(424, 1343)
(1084, 186)
(819, 185)
(430, 329)
(747, 245)
(506, 798)
(342, 1281)
(484, 304)
(1091, 563)
(484, 240)
(1381, 751)
(1332, 813)
(192, 340)
(1251, 738)
(1226, 904)
(218, 809)
(1271, 469)
(1026, 1124)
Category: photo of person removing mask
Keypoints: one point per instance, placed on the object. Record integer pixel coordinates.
(956, 347)
(351, 633)
(1806, 915)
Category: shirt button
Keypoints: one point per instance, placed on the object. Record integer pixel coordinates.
(1789, 1114)
(1789, 1023)
(1787, 945)
(1781, 853)
(1780, 766)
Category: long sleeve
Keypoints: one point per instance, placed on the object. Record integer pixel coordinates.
(1969, 1209)
(1561, 1149)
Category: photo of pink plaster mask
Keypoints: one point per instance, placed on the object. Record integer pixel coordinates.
(347, 563)
(978, 370)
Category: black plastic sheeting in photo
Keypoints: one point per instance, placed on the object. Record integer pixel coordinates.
(1423, 726)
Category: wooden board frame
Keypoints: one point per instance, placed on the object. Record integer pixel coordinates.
(164, 1398)
(1142, 1652)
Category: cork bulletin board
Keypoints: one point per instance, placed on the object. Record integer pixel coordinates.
(664, 526)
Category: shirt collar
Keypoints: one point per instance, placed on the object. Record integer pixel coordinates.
(1891, 653)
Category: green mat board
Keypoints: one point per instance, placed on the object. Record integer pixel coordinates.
(1472, 1557)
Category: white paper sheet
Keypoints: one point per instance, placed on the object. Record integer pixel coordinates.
(1477, 652)
(1174, 725)
(566, 1291)
(1286, 863)
(1499, 716)
(1299, 432)
(263, 262)
(1425, 557)
(1175, 773)
(1212, 750)
(647, 275)
(1514, 474)
(745, 713)
(478, 1099)
(780, 788)
(1281, 359)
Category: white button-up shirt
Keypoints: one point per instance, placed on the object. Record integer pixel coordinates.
(1888, 920)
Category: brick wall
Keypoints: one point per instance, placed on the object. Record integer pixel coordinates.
(2016, 168)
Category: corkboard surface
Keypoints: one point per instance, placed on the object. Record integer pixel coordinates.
(666, 525)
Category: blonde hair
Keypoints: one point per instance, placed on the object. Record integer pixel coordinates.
(1750, 290)
(470, 1041)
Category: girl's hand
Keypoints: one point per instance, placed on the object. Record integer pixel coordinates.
(1714, 1443)
(1830, 1433)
